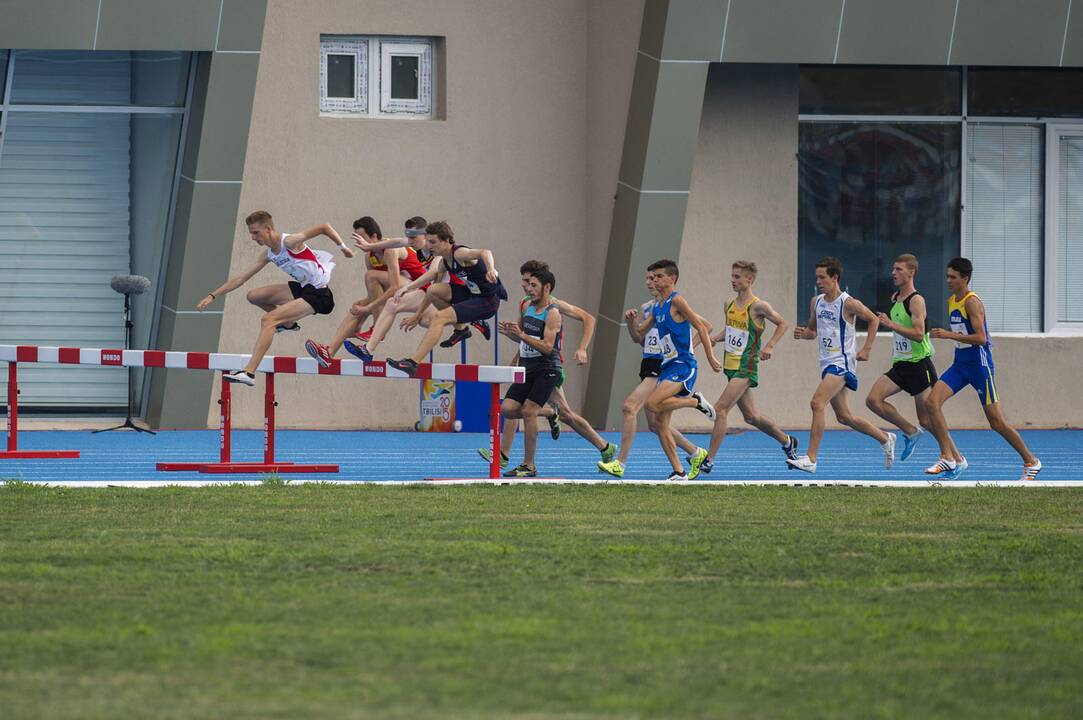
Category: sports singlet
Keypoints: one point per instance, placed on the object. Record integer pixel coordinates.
(411, 264)
(960, 323)
(742, 338)
(533, 320)
(835, 334)
(905, 349)
(473, 276)
(305, 265)
(652, 343)
(675, 338)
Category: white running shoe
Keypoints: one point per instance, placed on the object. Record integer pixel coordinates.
(940, 466)
(802, 463)
(240, 376)
(705, 407)
(677, 476)
(889, 450)
(1031, 471)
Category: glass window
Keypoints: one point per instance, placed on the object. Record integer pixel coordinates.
(406, 77)
(404, 70)
(3, 72)
(344, 75)
(1004, 217)
(1070, 229)
(868, 192)
(852, 90)
(341, 75)
(996, 92)
(77, 77)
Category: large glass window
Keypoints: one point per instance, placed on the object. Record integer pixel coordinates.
(81, 77)
(851, 90)
(869, 192)
(1069, 237)
(377, 76)
(1029, 92)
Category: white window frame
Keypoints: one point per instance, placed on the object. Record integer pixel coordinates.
(1053, 131)
(359, 49)
(373, 53)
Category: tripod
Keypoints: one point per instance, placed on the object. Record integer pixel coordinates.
(128, 324)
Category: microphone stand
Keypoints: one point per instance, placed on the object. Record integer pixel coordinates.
(128, 324)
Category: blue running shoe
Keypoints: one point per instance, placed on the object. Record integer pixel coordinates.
(357, 350)
(909, 443)
(955, 472)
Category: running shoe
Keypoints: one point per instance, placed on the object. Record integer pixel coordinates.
(609, 452)
(482, 327)
(406, 365)
(677, 475)
(940, 466)
(705, 407)
(364, 336)
(909, 443)
(522, 471)
(889, 450)
(460, 335)
(803, 463)
(696, 463)
(613, 467)
(554, 422)
(790, 448)
(358, 350)
(706, 467)
(240, 376)
(321, 352)
(287, 328)
(488, 455)
(1030, 472)
(956, 471)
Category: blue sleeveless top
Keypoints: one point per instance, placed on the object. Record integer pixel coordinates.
(674, 337)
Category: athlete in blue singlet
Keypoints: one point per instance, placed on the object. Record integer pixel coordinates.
(973, 366)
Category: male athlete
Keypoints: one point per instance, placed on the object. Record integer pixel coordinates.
(650, 367)
(674, 319)
(558, 401)
(912, 367)
(831, 323)
(476, 299)
(973, 365)
(385, 273)
(284, 304)
(742, 339)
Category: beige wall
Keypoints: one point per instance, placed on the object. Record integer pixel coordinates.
(743, 204)
(537, 96)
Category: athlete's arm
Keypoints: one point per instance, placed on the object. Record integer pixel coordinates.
(917, 319)
(233, 283)
(296, 240)
(429, 276)
(414, 320)
(766, 312)
(548, 340)
(807, 332)
(703, 329)
(394, 275)
(710, 327)
(855, 306)
(976, 312)
(577, 313)
(642, 328)
(631, 321)
(361, 243)
(473, 255)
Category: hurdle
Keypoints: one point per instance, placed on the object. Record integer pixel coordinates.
(270, 366)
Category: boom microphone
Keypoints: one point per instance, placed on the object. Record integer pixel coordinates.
(130, 284)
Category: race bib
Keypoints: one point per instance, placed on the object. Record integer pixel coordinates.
(668, 351)
(652, 345)
(961, 329)
(527, 351)
(903, 348)
(736, 340)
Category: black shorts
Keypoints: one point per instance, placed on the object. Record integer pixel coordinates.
(913, 377)
(539, 385)
(321, 299)
(650, 367)
(470, 307)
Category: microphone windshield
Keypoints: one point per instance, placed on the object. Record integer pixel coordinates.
(130, 284)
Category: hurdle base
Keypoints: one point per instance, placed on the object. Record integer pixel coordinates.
(245, 467)
(37, 454)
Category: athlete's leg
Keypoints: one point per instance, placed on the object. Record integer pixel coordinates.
(409, 302)
(938, 426)
(921, 407)
(882, 389)
(733, 391)
(829, 387)
(268, 297)
(577, 423)
(286, 314)
(440, 295)
(764, 424)
(995, 416)
(663, 392)
(629, 411)
(682, 442)
(530, 414)
(847, 418)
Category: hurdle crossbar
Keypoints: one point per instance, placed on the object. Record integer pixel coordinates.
(270, 366)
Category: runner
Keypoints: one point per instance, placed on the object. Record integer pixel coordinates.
(558, 401)
(674, 319)
(912, 367)
(283, 304)
(476, 299)
(973, 365)
(386, 269)
(741, 338)
(831, 323)
(650, 367)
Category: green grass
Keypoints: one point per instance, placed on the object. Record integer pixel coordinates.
(286, 601)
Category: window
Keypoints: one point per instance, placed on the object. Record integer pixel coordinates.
(1065, 249)
(376, 76)
(1030, 92)
(842, 90)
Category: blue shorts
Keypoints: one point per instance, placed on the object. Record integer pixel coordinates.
(978, 377)
(679, 372)
(849, 377)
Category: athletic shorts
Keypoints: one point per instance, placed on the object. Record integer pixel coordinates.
(679, 372)
(849, 377)
(538, 387)
(978, 377)
(913, 377)
(560, 380)
(470, 307)
(321, 299)
(650, 367)
(753, 378)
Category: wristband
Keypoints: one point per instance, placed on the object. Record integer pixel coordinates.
(213, 297)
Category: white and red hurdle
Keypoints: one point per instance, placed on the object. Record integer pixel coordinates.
(271, 365)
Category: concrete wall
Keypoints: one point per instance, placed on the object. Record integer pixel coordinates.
(525, 164)
(743, 204)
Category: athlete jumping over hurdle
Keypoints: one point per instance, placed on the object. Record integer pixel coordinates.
(284, 304)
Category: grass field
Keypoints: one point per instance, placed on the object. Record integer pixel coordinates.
(540, 602)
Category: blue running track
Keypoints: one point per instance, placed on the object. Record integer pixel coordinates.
(382, 456)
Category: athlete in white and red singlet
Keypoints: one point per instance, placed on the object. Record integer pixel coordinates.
(284, 304)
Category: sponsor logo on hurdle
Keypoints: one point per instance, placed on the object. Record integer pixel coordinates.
(112, 357)
(376, 369)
